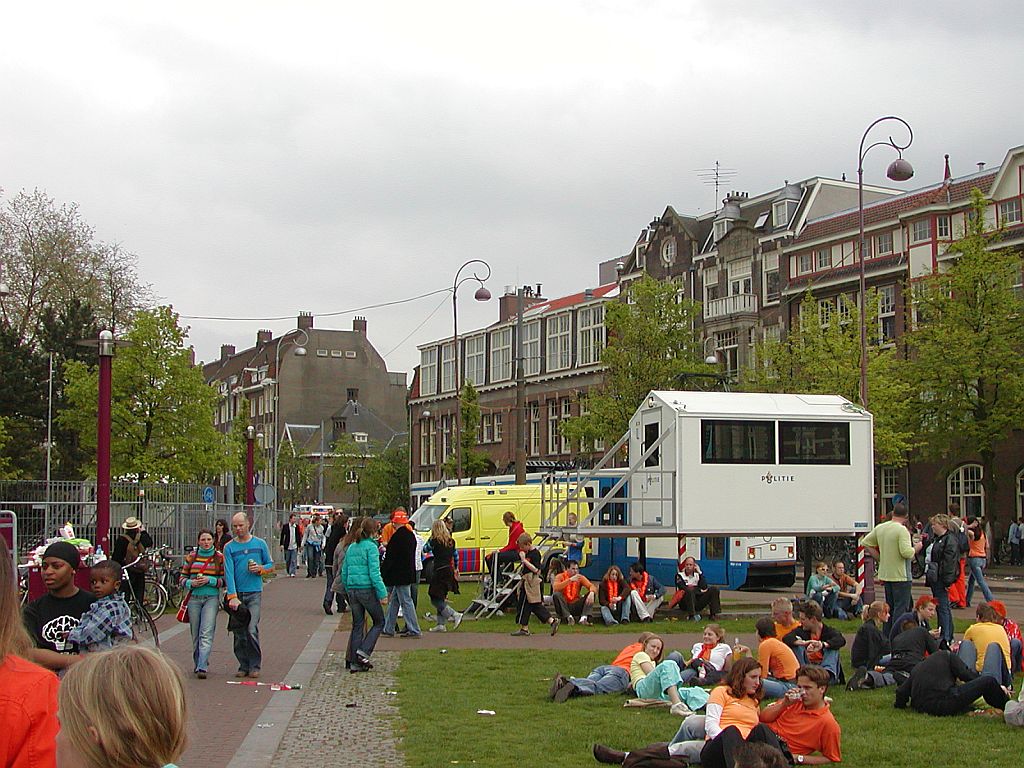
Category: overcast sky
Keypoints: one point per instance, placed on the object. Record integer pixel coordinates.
(263, 158)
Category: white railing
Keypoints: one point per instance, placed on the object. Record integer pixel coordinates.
(730, 305)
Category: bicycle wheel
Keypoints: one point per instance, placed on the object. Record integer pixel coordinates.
(175, 594)
(143, 627)
(155, 598)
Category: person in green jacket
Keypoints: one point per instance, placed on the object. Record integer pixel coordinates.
(360, 574)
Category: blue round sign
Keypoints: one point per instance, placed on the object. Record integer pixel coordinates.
(208, 494)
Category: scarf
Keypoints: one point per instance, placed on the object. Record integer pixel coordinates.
(641, 586)
(705, 651)
(572, 590)
(613, 589)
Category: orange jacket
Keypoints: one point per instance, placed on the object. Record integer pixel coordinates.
(28, 710)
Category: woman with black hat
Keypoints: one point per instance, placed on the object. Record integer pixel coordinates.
(128, 547)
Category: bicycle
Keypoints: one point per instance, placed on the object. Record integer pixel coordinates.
(168, 574)
(143, 627)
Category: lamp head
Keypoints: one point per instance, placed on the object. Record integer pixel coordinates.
(5, 290)
(425, 414)
(250, 432)
(300, 352)
(900, 170)
(711, 360)
(482, 294)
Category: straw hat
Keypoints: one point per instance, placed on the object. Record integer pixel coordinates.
(131, 524)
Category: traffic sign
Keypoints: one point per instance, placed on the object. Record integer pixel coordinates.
(265, 494)
(208, 495)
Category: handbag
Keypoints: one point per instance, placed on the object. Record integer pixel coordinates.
(182, 615)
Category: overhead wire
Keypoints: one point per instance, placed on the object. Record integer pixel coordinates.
(321, 314)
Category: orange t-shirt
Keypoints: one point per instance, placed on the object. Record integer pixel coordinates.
(777, 659)
(809, 730)
(977, 546)
(781, 630)
(28, 710)
(743, 713)
(571, 589)
(625, 657)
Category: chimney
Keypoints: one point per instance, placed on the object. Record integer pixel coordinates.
(226, 351)
(305, 321)
(359, 325)
(981, 166)
(507, 303)
(263, 336)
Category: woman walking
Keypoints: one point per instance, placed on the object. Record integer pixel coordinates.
(313, 544)
(442, 545)
(221, 534)
(360, 574)
(203, 576)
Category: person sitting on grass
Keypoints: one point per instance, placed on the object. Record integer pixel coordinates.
(1013, 633)
(849, 602)
(986, 647)
(607, 678)
(613, 595)
(778, 662)
(870, 649)
(570, 605)
(804, 720)
(652, 678)
(909, 648)
(530, 598)
(694, 594)
(782, 616)
(823, 590)
(933, 690)
(923, 615)
(645, 591)
(814, 642)
(709, 659)
(108, 621)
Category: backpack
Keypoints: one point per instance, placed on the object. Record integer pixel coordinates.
(133, 551)
(964, 542)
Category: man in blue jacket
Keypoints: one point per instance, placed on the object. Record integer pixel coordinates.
(246, 560)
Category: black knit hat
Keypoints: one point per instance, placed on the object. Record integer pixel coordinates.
(65, 551)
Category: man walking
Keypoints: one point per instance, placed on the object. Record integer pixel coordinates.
(1013, 537)
(290, 537)
(246, 559)
(890, 544)
(399, 573)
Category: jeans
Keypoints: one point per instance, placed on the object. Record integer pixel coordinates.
(830, 660)
(899, 597)
(202, 620)
(401, 596)
(445, 612)
(290, 556)
(976, 566)
(329, 594)
(944, 612)
(845, 608)
(312, 560)
(664, 676)
(605, 679)
(827, 601)
(720, 751)
(609, 614)
(363, 602)
(775, 689)
(1016, 655)
(576, 609)
(994, 664)
(689, 739)
(247, 641)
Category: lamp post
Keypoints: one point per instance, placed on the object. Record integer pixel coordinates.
(898, 170)
(300, 351)
(250, 466)
(482, 294)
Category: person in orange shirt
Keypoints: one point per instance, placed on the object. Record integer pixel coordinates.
(28, 693)
(778, 662)
(977, 559)
(570, 605)
(804, 720)
(389, 529)
(607, 678)
(732, 716)
(782, 615)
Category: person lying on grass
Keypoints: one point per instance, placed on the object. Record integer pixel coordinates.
(652, 678)
(607, 678)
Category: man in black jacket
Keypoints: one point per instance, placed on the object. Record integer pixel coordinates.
(814, 642)
(335, 532)
(290, 538)
(942, 572)
(399, 573)
(932, 687)
(693, 594)
(128, 548)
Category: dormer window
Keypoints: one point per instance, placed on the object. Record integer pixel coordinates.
(782, 212)
(668, 252)
(721, 228)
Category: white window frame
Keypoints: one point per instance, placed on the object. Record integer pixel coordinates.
(966, 482)
(780, 213)
(475, 353)
(805, 263)
(566, 415)
(889, 484)
(741, 279)
(883, 240)
(668, 252)
(501, 354)
(554, 420)
(1010, 211)
(710, 284)
(559, 342)
(590, 334)
(822, 258)
(727, 344)
(534, 429)
(428, 371)
(844, 308)
(721, 229)
(921, 231)
(886, 311)
(499, 432)
(428, 442)
(770, 264)
(531, 348)
(943, 227)
(826, 308)
(448, 367)
(486, 428)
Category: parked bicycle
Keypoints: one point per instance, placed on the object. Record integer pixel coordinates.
(143, 627)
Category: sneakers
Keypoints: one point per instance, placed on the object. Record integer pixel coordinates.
(387, 634)
(584, 621)
(438, 628)
(856, 682)
(521, 633)
(557, 683)
(571, 620)
(408, 634)
(562, 694)
(680, 709)
(364, 658)
(554, 626)
(327, 609)
(254, 674)
(201, 674)
(242, 673)
(607, 755)
(458, 620)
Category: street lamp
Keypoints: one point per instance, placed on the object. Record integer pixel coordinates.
(482, 294)
(250, 466)
(300, 351)
(898, 170)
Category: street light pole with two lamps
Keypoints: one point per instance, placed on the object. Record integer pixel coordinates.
(300, 351)
(482, 294)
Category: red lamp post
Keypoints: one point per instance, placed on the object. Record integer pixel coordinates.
(106, 355)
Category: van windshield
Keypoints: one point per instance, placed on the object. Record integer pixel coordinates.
(426, 515)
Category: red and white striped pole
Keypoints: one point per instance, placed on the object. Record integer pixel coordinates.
(682, 551)
(865, 574)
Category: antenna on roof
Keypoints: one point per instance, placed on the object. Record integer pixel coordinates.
(716, 177)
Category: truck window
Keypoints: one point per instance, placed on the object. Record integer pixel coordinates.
(461, 518)
(814, 442)
(651, 432)
(737, 442)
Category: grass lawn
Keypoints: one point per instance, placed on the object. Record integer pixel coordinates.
(439, 695)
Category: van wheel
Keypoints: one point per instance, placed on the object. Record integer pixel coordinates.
(428, 571)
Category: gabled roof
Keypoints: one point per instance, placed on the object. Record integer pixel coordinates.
(611, 290)
(956, 191)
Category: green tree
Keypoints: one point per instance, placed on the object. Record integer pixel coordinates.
(474, 462)
(653, 342)
(23, 393)
(161, 407)
(297, 478)
(7, 470)
(386, 478)
(349, 459)
(823, 358)
(967, 352)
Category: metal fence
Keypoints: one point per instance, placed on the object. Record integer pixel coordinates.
(172, 514)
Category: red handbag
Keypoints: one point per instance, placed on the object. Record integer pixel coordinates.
(183, 610)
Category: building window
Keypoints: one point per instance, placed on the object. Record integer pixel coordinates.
(590, 321)
(559, 342)
(886, 314)
(680, 283)
(727, 345)
(447, 424)
(554, 416)
(498, 428)
(428, 371)
(566, 415)
(351, 477)
(740, 278)
(501, 355)
(825, 307)
(668, 252)
(780, 213)
(486, 428)
(1009, 212)
(883, 243)
(641, 255)
(844, 308)
(711, 283)
(1020, 494)
(770, 268)
(965, 488)
(806, 263)
(534, 429)
(889, 482)
(448, 368)
(476, 360)
(428, 441)
(942, 227)
(531, 348)
(921, 230)
(823, 258)
(721, 228)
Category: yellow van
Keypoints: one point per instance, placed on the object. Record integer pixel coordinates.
(476, 513)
